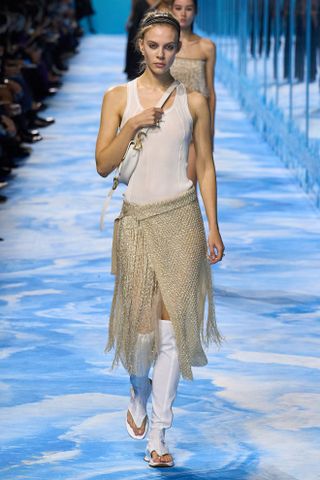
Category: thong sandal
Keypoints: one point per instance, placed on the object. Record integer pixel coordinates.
(157, 444)
(140, 420)
(130, 430)
(158, 464)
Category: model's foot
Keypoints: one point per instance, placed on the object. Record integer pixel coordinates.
(137, 430)
(166, 458)
(159, 461)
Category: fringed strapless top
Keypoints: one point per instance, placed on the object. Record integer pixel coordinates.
(192, 73)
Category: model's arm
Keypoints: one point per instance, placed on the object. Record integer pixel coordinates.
(111, 145)
(211, 53)
(206, 171)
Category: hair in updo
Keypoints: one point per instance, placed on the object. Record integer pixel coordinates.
(156, 17)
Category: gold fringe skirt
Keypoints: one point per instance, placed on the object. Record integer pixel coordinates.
(159, 255)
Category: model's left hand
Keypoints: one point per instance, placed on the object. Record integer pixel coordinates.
(215, 246)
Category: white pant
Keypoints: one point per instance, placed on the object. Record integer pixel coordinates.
(165, 380)
(140, 382)
(166, 374)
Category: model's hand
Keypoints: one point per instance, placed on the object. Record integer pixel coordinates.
(147, 118)
(215, 246)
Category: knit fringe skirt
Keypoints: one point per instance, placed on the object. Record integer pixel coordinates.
(159, 255)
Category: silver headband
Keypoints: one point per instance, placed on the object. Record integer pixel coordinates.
(161, 17)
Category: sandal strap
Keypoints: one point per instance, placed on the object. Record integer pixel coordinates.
(139, 421)
(158, 455)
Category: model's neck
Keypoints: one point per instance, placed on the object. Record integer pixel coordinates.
(149, 79)
(186, 34)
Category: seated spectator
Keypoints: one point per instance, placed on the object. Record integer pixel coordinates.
(37, 37)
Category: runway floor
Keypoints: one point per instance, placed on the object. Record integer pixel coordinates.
(253, 413)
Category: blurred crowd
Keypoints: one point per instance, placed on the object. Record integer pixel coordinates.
(259, 43)
(37, 37)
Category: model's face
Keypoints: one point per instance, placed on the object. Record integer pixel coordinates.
(159, 47)
(184, 11)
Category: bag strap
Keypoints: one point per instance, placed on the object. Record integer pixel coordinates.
(167, 94)
(115, 183)
(161, 103)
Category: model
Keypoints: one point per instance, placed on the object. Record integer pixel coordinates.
(194, 65)
(160, 254)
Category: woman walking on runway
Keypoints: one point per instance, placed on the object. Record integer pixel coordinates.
(160, 255)
(194, 65)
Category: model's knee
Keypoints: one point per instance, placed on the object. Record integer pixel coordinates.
(164, 313)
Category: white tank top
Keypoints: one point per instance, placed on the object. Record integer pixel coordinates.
(161, 172)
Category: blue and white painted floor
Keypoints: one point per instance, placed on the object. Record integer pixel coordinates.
(253, 413)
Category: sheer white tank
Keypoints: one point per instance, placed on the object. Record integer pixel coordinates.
(161, 172)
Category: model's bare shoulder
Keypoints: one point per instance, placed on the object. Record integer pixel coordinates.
(196, 38)
(208, 47)
(117, 90)
(116, 97)
(197, 104)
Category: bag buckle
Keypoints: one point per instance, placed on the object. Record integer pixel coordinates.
(138, 140)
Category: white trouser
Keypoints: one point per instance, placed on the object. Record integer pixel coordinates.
(140, 382)
(165, 381)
